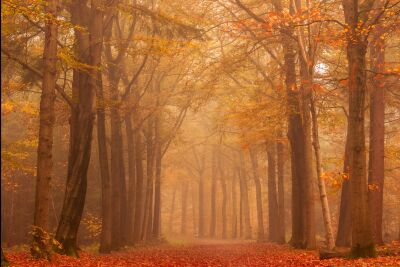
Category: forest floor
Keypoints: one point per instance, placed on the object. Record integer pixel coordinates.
(205, 254)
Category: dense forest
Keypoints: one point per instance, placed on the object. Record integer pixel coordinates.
(171, 132)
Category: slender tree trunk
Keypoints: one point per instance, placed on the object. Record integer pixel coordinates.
(273, 208)
(139, 204)
(245, 199)
(81, 125)
(224, 196)
(130, 139)
(376, 172)
(147, 222)
(321, 183)
(213, 219)
(260, 221)
(281, 189)
(195, 219)
(234, 207)
(172, 210)
(157, 183)
(201, 205)
(184, 194)
(343, 238)
(46, 125)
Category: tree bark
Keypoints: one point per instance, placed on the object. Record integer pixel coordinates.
(376, 172)
(260, 220)
(46, 125)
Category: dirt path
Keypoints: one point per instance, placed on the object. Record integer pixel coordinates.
(203, 254)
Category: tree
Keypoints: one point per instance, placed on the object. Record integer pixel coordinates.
(357, 43)
(45, 145)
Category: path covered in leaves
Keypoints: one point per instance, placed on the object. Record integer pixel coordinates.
(239, 254)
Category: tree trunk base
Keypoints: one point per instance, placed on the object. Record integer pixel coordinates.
(359, 251)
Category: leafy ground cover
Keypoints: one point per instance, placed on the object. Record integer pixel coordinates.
(203, 254)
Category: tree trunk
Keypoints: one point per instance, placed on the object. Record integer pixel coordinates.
(105, 236)
(244, 199)
(148, 212)
(213, 219)
(343, 238)
(362, 241)
(234, 207)
(260, 221)
(157, 183)
(81, 124)
(46, 125)
(201, 205)
(172, 210)
(139, 204)
(281, 189)
(303, 228)
(130, 139)
(377, 134)
(224, 196)
(273, 208)
(330, 243)
(185, 188)
(195, 219)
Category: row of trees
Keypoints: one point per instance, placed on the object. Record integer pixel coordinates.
(126, 74)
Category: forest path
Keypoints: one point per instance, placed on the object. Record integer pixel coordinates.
(203, 253)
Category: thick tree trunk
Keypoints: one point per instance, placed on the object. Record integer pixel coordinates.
(303, 225)
(260, 220)
(105, 236)
(377, 134)
(81, 125)
(130, 139)
(46, 125)
(281, 189)
(343, 238)
(330, 243)
(213, 215)
(244, 199)
(116, 158)
(273, 208)
(362, 241)
(184, 194)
